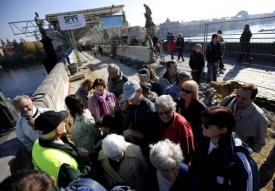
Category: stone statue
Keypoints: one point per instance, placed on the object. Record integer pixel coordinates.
(148, 17)
(38, 21)
(149, 24)
(52, 57)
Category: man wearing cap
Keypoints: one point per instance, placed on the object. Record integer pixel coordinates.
(144, 77)
(25, 132)
(169, 77)
(116, 79)
(142, 116)
(174, 90)
(52, 152)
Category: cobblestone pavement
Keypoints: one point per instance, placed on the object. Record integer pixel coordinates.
(262, 76)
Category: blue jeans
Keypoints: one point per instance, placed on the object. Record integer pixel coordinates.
(212, 72)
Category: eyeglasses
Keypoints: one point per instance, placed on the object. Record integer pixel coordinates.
(164, 113)
(186, 91)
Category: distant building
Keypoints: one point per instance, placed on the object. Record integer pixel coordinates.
(169, 25)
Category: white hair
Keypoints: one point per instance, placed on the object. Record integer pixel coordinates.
(113, 67)
(113, 145)
(19, 98)
(165, 102)
(165, 154)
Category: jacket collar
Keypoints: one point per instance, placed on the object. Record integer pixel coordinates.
(125, 165)
(247, 111)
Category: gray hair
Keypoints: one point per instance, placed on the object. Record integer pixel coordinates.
(113, 145)
(19, 98)
(165, 101)
(165, 154)
(113, 67)
(184, 75)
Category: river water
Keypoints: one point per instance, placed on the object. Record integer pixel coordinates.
(21, 79)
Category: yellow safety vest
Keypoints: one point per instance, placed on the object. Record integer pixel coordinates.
(50, 160)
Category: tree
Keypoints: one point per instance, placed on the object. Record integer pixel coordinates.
(8, 54)
(30, 47)
(8, 42)
(15, 44)
(39, 45)
(3, 43)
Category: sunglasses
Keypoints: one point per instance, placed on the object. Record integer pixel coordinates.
(186, 91)
(164, 113)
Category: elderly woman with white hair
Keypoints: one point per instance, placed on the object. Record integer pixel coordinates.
(123, 162)
(173, 126)
(167, 172)
(190, 107)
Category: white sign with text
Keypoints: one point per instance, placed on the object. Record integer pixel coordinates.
(74, 21)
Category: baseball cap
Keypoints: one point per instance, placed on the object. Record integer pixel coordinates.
(129, 89)
(106, 121)
(48, 121)
(143, 72)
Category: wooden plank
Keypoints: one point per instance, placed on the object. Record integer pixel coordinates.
(77, 77)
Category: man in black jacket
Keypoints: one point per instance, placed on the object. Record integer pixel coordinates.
(245, 43)
(143, 119)
(213, 55)
(52, 152)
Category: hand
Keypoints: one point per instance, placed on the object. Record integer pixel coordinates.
(105, 130)
(82, 152)
(127, 133)
(216, 64)
(195, 70)
(31, 121)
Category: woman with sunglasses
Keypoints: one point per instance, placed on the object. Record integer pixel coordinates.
(221, 158)
(174, 127)
(190, 107)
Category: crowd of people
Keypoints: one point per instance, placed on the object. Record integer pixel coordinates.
(151, 134)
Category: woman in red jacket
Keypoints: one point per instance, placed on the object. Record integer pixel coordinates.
(172, 46)
(174, 127)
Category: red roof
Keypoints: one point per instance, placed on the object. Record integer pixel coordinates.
(6, 47)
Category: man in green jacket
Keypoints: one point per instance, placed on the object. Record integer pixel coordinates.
(52, 152)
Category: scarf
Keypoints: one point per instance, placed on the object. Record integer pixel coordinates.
(108, 102)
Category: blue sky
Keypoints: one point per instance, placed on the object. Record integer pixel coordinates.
(175, 10)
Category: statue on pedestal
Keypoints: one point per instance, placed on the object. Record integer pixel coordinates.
(149, 24)
(52, 58)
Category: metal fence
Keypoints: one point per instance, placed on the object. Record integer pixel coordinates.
(262, 43)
